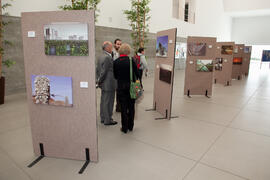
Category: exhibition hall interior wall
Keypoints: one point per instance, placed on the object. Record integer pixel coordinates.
(214, 23)
(257, 33)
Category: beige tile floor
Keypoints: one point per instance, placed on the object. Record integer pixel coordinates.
(226, 137)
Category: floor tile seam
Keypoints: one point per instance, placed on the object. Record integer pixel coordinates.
(204, 121)
(225, 171)
(243, 107)
(223, 131)
(249, 131)
(15, 163)
(221, 134)
(224, 105)
(14, 129)
(208, 149)
(162, 149)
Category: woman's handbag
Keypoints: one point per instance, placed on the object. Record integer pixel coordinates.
(135, 87)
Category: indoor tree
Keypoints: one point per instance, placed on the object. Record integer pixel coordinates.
(138, 16)
(4, 62)
(82, 5)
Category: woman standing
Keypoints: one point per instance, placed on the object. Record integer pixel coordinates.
(143, 64)
(121, 68)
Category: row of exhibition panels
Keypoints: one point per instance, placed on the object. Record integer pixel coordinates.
(211, 62)
(60, 79)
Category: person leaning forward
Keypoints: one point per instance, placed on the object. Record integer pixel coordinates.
(107, 83)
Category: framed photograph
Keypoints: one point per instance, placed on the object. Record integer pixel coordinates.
(204, 65)
(235, 50)
(162, 46)
(165, 73)
(52, 90)
(227, 50)
(197, 49)
(66, 39)
(218, 64)
(237, 60)
(266, 56)
(247, 49)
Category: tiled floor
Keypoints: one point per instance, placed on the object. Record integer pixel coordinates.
(226, 137)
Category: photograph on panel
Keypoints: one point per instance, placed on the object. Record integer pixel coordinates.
(197, 49)
(218, 64)
(165, 73)
(227, 50)
(237, 60)
(52, 90)
(205, 65)
(162, 46)
(266, 55)
(66, 39)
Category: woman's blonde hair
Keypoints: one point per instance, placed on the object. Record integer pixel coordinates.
(125, 49)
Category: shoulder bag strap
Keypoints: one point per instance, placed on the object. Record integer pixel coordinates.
(131, 73)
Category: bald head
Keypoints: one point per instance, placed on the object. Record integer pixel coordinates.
(107, 46)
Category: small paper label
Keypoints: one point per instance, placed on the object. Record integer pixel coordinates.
(31, 34)
(225, 60)
(218, 47)
(190, 62)
(170, 41)
(210, 46)
(84, 84)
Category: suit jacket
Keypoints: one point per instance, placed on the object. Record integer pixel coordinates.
(105, 77)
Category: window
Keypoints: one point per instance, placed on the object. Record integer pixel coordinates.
(184, 10)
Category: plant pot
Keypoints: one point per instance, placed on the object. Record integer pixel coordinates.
(2, 90)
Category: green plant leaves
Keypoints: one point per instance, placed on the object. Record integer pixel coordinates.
(138, 16)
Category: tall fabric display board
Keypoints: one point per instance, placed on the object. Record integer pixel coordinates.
(223, 63)
(246, 60)
(164, 72)
(237, 61)
(201, 53)
(59, 58)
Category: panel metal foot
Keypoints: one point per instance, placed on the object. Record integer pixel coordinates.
(87, 161)
(188, 94)
(39, 158)
(206, 94)
(166, 117)
(153, 109)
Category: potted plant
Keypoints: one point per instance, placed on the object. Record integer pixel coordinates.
(3, 62)
(138, 16)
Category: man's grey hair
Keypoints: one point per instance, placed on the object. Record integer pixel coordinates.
(106, 44)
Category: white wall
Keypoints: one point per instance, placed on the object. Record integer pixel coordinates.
(251, 30)
(210, 19)
(245, 5)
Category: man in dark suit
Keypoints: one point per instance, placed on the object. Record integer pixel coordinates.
(107, 83)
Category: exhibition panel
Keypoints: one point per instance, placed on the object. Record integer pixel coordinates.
(238, 54)
(59, 58)
(164, 72)
(201, 54)
(246, 62)
(223, 63)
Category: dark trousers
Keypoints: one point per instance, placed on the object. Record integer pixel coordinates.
(127, 109)
(140, 71)
(106, 106)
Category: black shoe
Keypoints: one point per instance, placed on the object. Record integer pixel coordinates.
(102, 122)
(130, 129)
(111, 123)
(124, 130)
